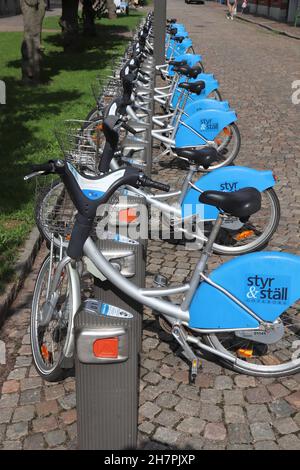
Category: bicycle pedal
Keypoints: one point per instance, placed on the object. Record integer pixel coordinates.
(194, 370)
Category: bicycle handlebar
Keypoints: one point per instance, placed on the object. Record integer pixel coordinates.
(147, 182)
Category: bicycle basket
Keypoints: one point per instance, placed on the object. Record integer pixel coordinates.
(81, 142)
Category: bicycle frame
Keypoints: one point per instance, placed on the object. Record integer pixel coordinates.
(154, 298)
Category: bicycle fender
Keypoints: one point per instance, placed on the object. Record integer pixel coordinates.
(228, 179)
(209, 123)
(266, 282)
(202, 104)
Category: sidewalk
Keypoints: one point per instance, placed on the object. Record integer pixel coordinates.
(275, 26)
(15, 23)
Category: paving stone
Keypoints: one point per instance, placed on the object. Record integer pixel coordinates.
(262, 432)
(188, 391)
(294, 399)
(211, 396)
(68, 402)
(215, 432)
(150, 364)
(239, 447)
(12, 445)
(54, 438)
(150, 343)
(25, 350)
(191, 425)
(54, 392)
(150, 393)
(233, 397)
(44, 424)
(213, 445)
(281, 409)
(33, 372)
(258, 413)
(188, 407)
(69, 417)
(16, 431)
(153, 378)
(72, 431)
(297, 419)
(277, 390)
(9, 400)
(30, 383)
(258, 395)
(47, 408)
(23, 413)
(234, 414)
(182, 376)
(167, 400)
(149, 410)
(23, 361)
(266, 445)
(190, 443)
(204, 380)
(5, 415)
(34, 442)
(10, 386)
(167, 418)
(2, 432)
(239, 433)
(285, 426)
(211, 413)
(29, 397)
(17, 374)
(289, 442)
(167, 436)
(146, 427)
(223, 382)
(244, 381)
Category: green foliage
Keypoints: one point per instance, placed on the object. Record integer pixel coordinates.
(27, 120)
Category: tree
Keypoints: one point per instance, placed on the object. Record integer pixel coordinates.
(69, 21)
(33, 14)
(111, 8)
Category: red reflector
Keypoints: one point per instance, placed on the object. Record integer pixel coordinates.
(106, 348)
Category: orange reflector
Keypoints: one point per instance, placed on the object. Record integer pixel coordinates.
(99, 127)
(106, 348)
(227, 131)
(218, 141)
(245, 353)
(45, 352)
(127, 215)
(244, 235)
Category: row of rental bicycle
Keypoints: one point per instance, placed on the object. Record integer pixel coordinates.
(244, 313)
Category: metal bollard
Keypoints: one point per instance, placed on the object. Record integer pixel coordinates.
(107, 376)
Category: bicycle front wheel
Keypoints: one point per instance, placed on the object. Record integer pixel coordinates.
(48, 342)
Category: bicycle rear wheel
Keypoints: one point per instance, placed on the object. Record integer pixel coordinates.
(256, 358)
(236, 238)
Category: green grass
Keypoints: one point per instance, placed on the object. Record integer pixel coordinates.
(27, 120)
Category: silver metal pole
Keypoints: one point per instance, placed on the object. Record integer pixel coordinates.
(160, 17)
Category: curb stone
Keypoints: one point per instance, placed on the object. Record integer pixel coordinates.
(266, 26)
(21, 269)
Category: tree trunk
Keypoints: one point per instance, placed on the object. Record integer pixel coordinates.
(33, 15)
(111, 8)
(69, 22)
(88, 16)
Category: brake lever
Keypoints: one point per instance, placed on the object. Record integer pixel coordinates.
(32, 175)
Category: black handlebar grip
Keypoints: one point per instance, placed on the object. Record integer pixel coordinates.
(80, 233)
(129, 128)
(157, 185)
(48, 167)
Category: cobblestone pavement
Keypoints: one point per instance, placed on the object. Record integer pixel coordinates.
(223, 409)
